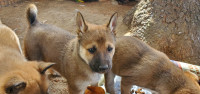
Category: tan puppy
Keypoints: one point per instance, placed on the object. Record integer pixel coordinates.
(139, 64)
(80, 58)
(17, 75)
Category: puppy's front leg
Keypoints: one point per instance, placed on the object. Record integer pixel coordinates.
(125, 86)
(109, 82)
(76, 87)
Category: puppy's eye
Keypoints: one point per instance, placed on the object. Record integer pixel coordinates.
(109, 49)
(92, 50)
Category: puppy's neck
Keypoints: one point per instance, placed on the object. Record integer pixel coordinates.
(74, 43)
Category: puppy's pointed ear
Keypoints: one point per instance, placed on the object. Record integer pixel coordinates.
(14, 86)
(43, 66)
(80, 22)
(113, 22)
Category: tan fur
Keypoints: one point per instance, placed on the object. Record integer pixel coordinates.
(70, 52)
(10, 37)
(139, 64)
(192, 75)
(15, 69)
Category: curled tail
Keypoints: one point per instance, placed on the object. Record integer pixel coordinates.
(31, 14)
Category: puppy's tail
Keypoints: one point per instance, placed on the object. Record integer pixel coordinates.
(31, 14)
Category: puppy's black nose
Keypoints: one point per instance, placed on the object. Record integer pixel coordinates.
(103, 67)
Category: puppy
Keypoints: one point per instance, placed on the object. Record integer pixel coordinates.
(139, 64)
(80, 58)
(17, 75)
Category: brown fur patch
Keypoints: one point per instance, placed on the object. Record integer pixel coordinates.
(139, 64)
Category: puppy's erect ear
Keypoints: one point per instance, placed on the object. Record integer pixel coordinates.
(43, 66)
(113, 22)
(80, 22)
(14, 86)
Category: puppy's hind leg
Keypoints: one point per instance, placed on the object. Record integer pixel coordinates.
(126, 86)
(33, 52)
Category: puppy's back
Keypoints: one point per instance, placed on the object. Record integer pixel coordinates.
(9, 38)
(42, 39)
(9, 47)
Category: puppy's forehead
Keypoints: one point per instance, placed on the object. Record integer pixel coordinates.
(99, 35)
(93, 27)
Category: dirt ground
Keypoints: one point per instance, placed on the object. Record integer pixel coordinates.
(62, 14)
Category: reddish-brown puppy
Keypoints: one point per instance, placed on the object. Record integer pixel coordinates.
(17, 75)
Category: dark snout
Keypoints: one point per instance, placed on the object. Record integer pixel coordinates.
(103, 67)
(101, 64)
